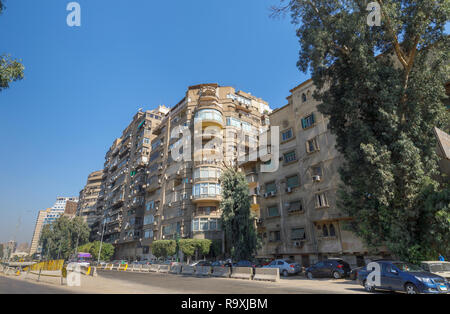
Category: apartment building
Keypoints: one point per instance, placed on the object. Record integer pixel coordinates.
(120, 202)
(88, 198)
(298, 216)
(182, 196)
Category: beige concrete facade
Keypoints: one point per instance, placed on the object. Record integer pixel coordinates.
(299, 218)
(121, 198)
(37, 231)
(88, 198)
(182, 197)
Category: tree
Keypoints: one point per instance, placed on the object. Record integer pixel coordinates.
(237, 221)
(10, 69)
(93, 248)
(59, 240)
(383, 90)
(164, 248)
(193, 247)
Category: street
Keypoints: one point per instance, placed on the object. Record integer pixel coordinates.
(113, 282)
(14, 286)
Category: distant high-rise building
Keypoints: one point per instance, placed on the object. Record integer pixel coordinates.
(48, 216)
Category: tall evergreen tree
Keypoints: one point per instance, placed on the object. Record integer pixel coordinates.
(383, 89)
(10, 69)
(237, 221)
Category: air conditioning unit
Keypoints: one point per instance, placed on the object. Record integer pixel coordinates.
(148, 172)
(144, 186)
(272, 193)
(297, 243)
(162, 154)
(317, 178)
(160, 168)
(191, 197)
(289, 190)
(265, 195)
(173, 189)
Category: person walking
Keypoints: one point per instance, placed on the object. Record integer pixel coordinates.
(441, 258)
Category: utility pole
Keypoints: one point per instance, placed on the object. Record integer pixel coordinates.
(101, 242)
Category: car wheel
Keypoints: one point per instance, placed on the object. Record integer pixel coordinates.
(285, 273)
(368, 287)
(336, 275)
(411, 289)
(309, 275)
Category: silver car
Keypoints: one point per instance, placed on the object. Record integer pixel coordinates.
(286, 267)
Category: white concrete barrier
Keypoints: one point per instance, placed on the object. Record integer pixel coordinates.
(242, 273)
(187, 270)
(137, 268)
(175, 269)
(218, 271)
(154, 268)
(203, 270)
(164, 268)
(270, 274)
(145, 268)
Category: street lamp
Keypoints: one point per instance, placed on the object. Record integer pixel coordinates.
(177, 239)
(101, 241)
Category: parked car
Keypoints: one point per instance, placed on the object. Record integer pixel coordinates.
(221, 264)
(244, 263)
(286, 267)
(439, 268)
(354, 273)
(201, 263)
(260, 262)
(402, 276)
(330, 268)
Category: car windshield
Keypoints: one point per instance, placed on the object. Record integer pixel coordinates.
(408, 267)
(439, 267)
(289, 261)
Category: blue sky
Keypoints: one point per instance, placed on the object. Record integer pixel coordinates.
(83, 85)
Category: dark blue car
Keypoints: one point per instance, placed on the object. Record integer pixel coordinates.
(401, 276)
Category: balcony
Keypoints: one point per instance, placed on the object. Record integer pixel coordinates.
(206, 198)
(209, 117)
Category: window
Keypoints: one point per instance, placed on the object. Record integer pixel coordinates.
(332, 231)
(325, 231)
(298, 234)
(205, 224)
(290, 157)
(274, 236)
(148, 234)
(209, 114)
(321, 200)
(308, 121)
(304, 97)
(316, 171)
(295, 206)
(146, 140)
(312, 145)
(149, 219)
(286, 135)
(272, 211)
(150, 205)
(206, 189)
(292, 181)
(271, 187)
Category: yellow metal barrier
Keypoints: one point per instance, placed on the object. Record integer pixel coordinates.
(48, 265)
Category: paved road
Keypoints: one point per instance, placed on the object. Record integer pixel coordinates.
(195, 285)
(14, 286)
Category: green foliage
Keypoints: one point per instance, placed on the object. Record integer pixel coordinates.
(60, 239)
(383, 88)
(190, 247)
(237, 220)
(93, 247)
(164, 248)
(10, 69)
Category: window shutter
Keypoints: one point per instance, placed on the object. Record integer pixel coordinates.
(303, 123)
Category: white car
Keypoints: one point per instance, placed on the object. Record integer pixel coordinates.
(439, 268)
